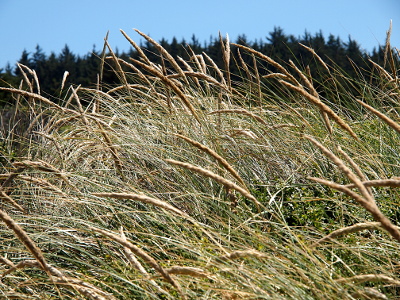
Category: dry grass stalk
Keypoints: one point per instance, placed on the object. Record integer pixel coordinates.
(6, 261)
(161, 204)
(206, 77)
(388, 50)
(275, 75)
(90, 292)
(240, 111)
(342, 188)
(277, 126)
(113, 151)
(34, 96)
(81, 286)
(306, 81)
(352, 164)
(137, 72)
(4, 196)
(366, 199)
(297, 114)
(189, 271)
(103, 56)
(119, 72)
(142, 254)
(258, 80)
(144, 199)
(36, 81)
(369, 293)
(214, 154)
(131, 257)
(370, 278)
(215, 67)
(27, 81)
(42, 183)
(171, 84)
(59, 278)
(190, 69)
(247, 133)
(245, 67)
(137, 48)
(382, 116)
(242, 254)
(195, 58)
(33, 74)
(382, 70)
(80, 108)
(11, 176)
(317, 56)
(185, 63)
(25, 239)
(371, 207)
(379, 182)
(227, 183)
(347, 230)
(5, 176)
(347, 171)
(137, 265)
(142, 91)
(270, 61)
(355, 167)
(164, 53)
(226, 56)
(314, 93)
(202, 62)
(21, 265)
(64, 79)
(59, 123)
(322, 106)
(45, 167)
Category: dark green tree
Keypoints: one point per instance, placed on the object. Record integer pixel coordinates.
(24, 60)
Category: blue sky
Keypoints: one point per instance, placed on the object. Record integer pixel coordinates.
(83, 23)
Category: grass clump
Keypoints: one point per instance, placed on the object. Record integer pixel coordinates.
(180, 182)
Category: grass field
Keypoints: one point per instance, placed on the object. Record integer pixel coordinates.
(183, 183)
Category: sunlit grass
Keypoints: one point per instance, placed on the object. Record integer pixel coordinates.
(180, 183)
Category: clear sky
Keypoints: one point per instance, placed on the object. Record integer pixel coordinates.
(83, 23)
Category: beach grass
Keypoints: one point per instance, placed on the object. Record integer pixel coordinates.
(180, 182)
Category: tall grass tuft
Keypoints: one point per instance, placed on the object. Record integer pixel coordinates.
(182, 183)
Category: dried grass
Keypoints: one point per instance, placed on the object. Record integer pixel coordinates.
(218, 157)
(25, 240)
(198, 260)
(314, 93)
(188, 271)
(366, 199)
(143, 255)
(144, 199)
(164, 53)
(322, 106)
(382, 116)
(227, 183)
(347, 230)
(243, 254)
(240, 111)
(172, 85)
(370, 278)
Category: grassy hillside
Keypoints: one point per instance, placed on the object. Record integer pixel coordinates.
(181, 183)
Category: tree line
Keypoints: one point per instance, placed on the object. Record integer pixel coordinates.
(84, 70)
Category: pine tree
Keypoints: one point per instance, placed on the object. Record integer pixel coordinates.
(24, 60)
